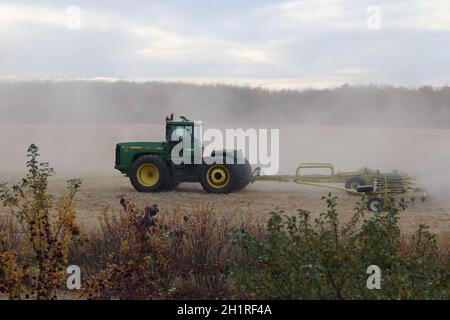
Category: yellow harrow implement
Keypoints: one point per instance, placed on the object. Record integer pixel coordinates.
(378, 188)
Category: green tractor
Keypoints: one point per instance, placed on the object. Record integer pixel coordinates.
(152, 166)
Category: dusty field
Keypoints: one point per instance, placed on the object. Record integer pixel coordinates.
(87, 151)
(258, 199)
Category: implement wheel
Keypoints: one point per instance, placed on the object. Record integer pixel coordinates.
(218, 178)
(149, 173)
(354, 182)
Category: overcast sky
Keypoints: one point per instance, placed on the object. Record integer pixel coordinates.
(277, 44)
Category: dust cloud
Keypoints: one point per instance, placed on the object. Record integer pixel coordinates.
(76, 124)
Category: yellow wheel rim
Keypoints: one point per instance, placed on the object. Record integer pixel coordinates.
(218, 176)
(148, 174)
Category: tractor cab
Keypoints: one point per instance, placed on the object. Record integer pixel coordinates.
(184, 130)
(178, 130)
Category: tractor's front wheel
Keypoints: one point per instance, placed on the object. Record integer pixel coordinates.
(149, 173)
(218, 178)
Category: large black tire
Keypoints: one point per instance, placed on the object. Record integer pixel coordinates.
(149, 173)
(213, 171)
(354, 182)
(244, 175)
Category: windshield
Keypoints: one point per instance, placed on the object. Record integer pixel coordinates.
(178, 133)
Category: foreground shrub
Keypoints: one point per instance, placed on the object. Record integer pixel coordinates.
(301, 258)
(141, 254)
(143, 265)
(46, 224)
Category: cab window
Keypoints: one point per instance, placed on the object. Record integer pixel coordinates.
(179, 133)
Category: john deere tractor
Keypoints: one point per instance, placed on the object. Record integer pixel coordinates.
(152, 168)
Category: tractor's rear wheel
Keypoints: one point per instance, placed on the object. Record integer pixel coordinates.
(219, 178)
(149, 173)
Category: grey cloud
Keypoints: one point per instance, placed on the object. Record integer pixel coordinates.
(240, 40)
